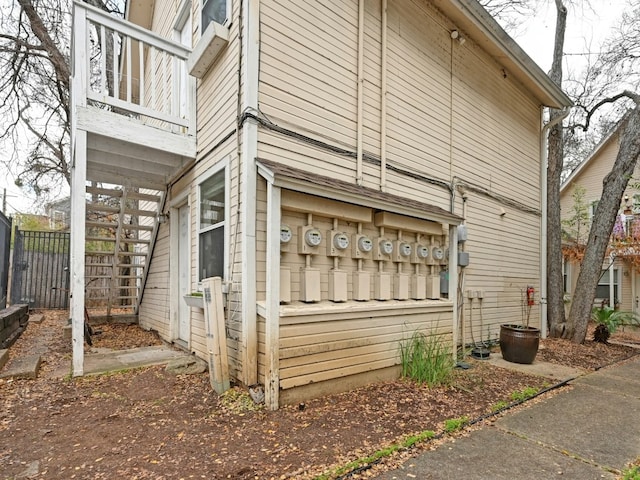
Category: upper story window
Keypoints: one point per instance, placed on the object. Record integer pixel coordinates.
(215, 11)
(214, 36)
(211, 226)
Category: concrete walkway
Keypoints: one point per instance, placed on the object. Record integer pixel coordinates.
(118, 360)
(589, 432)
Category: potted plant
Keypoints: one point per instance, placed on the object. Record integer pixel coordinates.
(519, 343)
(194, 299)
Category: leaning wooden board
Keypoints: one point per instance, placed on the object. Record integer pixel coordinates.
(216, 334)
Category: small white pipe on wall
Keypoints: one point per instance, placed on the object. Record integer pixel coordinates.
(383, 98)
(360, 107)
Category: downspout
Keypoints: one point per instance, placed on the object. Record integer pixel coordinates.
(359, 134)
(383, 98)
(250, 48)
(544, 157)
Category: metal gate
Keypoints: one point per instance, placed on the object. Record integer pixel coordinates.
(5, 247)
(40, 276)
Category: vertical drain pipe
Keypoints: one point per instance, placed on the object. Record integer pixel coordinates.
(383, 99)
(360, 116)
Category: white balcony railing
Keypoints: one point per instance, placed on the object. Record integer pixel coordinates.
(123, 68)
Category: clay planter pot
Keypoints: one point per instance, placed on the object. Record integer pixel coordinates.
(519, 344)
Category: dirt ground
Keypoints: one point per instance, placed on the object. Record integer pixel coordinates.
(149, 424)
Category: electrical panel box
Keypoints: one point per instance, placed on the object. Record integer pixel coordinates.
(310, 285)
(382, 286)
(419, 253)
(286, 238)
(382, 249)
(361, 286)
(418, 287)
(361, 247)
(337, 285)
(309, 240)
(337, 243)
(444, 283)
(401, 251)
(433, 287)
(401, 286)
(463, 259)
(462, 233)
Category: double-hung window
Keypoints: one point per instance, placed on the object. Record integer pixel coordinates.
(211, 226)
(603, 289)
(215, 11)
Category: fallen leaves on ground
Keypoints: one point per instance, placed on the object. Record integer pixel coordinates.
(149, 424)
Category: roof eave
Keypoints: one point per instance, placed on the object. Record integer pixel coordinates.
(478, 24)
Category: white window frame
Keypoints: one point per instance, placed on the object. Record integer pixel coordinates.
(180, 71)
(605, 280)
(566, 273)
(227, 20)
(221, 166)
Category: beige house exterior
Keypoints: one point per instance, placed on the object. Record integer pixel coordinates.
(619, 284)
(333, 162)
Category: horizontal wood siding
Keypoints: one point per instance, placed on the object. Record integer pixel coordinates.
(453, 114)
(218, 90)
(504, 254)
(154, 308)
(316, 348)
(261, 240)
(591, 176)
(233, 311)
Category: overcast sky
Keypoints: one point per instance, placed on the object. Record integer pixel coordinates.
(586, 29)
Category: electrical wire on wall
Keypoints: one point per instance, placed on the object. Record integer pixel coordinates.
(267, 123)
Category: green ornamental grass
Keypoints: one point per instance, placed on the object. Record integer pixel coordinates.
(426, 359)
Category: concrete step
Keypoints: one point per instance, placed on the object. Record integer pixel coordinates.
(23, 367)
(4, 356)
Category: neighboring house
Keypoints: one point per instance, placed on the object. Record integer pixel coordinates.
(59, 213)
(620, 281)
(319, 157)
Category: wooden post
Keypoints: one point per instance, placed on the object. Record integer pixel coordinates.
(216, 334)
(272, 321)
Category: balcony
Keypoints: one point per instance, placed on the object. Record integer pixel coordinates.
(134, 99)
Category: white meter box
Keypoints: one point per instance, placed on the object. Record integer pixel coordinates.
(436, 255)
(286, 239)
(361, 247)
(309, 240)
(337, 243)
(401, 251)
(419, 253)
(382, 249)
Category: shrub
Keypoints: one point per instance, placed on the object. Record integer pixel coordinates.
(608, 320)
(426, 359)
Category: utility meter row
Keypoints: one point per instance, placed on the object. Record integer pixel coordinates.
(339, 244)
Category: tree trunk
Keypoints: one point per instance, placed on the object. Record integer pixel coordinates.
(614, 185)
(555, 161)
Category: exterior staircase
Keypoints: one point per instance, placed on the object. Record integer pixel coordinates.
(121, 229)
